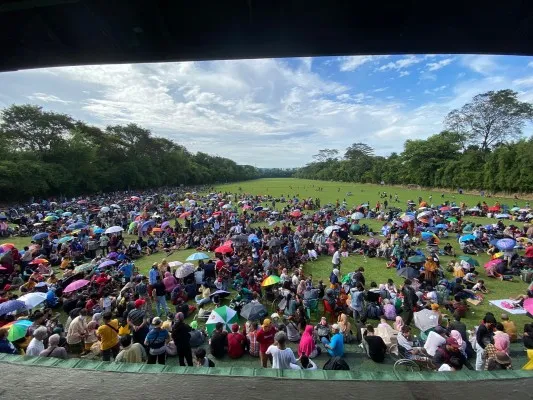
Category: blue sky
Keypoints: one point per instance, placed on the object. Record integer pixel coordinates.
(275, 112)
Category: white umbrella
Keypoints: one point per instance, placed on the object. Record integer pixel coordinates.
(185, 270)
(175, 264)
(115, 206)
(424, 214)
(226, 206)
(358, 215)
(114, 229)
(105, 209)
(330, 229)
(33, 299)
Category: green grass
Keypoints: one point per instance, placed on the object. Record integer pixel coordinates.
(374, 268)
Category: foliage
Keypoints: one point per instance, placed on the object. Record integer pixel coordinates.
(476, 152)
(49, 154)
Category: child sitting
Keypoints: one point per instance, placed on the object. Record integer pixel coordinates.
(480, 287)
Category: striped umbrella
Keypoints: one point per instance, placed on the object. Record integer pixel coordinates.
(224, 314)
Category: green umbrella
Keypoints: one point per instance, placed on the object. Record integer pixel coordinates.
(18, 330)
(50, 218)
(416, 259)
(59, 211)
(472, 261)
(65, 239)
(224, 314)
(346, 278)
(84, 268)
(451, 219)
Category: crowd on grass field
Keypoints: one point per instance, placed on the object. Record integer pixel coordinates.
(75, 291)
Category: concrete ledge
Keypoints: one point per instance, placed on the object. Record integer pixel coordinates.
(75, 363)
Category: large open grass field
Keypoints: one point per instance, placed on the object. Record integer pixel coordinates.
(374, 267)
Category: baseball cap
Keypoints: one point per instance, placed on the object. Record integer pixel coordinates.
(139, 303)
(335, 327)
(156, 321)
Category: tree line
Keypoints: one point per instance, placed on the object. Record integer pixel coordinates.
(44, 153)
(482, 148)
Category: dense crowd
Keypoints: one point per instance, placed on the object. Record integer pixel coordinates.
(75, 290)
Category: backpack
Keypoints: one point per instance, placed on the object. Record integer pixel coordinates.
(336, 363)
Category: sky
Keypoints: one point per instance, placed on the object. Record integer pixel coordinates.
(274, 112)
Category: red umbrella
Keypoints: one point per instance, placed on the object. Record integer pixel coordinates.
(227, 243)
(494, 209)
(217, 213)
(224, 249)
(444, 209)
(296, 213)
(185, 214)
(40, 261)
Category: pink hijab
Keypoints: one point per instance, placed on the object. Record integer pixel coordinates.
(307, 344)
(457, 336)
(398, 324)
(169, 281)
(501, 342)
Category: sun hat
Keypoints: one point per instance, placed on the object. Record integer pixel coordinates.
(335, 327)
(156, 321)
(502, 358)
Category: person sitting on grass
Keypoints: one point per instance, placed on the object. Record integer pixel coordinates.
(219, 341)
(509, 327)
(130, 353)
(480, 287)
(335, 346)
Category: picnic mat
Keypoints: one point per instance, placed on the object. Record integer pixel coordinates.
(498, 303)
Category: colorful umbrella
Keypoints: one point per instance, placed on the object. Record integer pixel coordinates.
(224, 249)
(416, 259)
(175, 264)
(185, 270)
(65, 239)
(11, 306)
(18, 329)
(197, 257)
(38, 261)
(506, 244)
(33, 299)
(114, 229)
(106, 264)
(226, 315)
(358, 215)
(271, 280)
(8, 245)
(40, 236)
(407, 217)
(76, 285)
(472, 261)
(466, 238)
(83, 268)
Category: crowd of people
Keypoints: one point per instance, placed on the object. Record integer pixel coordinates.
(75, 290)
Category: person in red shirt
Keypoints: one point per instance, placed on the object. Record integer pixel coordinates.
(529, 253)
(236, 342)
(92, 302)
(265, 338)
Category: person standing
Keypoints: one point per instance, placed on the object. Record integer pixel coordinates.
(159, 294)
(108, 335)
(156, 341)
(77, 331)
(409, 302)
(484, 336)
(181, 338)
(282, 357)
(336, 260)
(265, 337)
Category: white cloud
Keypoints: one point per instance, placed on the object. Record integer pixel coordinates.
(404, 73)
(46, 98)
(435, 90)
(401, 63)
(484, 65)
(351, 63)
(380, 89)
(524, 82)
(439, 64)
(530, 64)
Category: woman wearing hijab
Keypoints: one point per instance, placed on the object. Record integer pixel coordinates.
(398, 324)
(462, 344)
(307, 344)
(345, 328)
(170, 282)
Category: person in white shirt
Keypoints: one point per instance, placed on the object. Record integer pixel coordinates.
(307, 364)
(36, 345)
(282, 358)
(336, 260)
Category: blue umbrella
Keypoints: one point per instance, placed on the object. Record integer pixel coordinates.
(466, 238)
(252, 238)
(341, 221)
(427, 235)
(11, 306)
(77, 225)
(258, 208)
(40, 236)
(3, 217)
(98, 231)
(501, 216)
(506, 244)
(197, 257)
(148, 224)
(441, 226)
(66, 214)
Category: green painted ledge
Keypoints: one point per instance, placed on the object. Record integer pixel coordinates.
(464, 375)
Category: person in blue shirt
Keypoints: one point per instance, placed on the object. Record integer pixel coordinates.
(51, 298)
(335, 346)
(127, 270)
(154, 273)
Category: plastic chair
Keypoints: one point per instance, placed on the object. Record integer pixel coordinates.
(329, 310)
(312, 307)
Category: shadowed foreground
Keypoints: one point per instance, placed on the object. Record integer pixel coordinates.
(23, 382)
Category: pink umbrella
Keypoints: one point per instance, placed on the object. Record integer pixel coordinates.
(247, 207)
(492, 263)
(528, 305)
(165, 224)
(76, 285)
